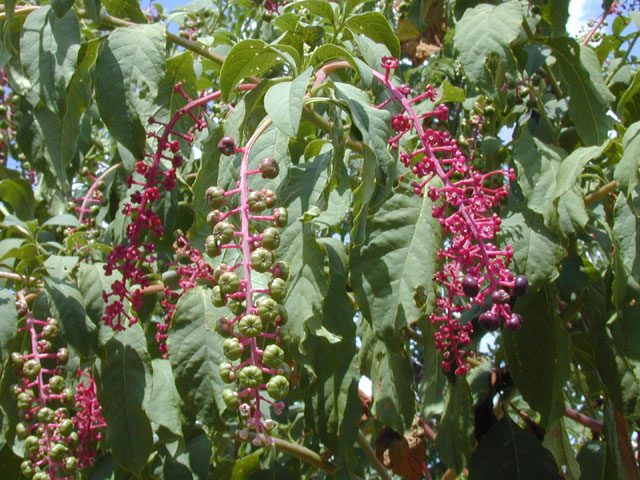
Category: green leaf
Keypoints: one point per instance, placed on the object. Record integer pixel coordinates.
(537, 251)
(125, 376)
(62, 220)
(629, 94)
(571, 168)
(51, 129)
(131, 58)
(283, 103)
(320, 8)
(509, 452)
(60, 266)
(92, 281)
(626, 172)
(376, 27)
(484, 31)
(9, 324)
(592, 460)
(48, 51)
(60, 7)
(165, 405)
(127, 9)
(626, 230)
(17, 193)
(246, 58)
(556, 440)
(399, 255)
(538, 356)
(587, 108)
(392, 391)
(195, 351)
(454, 440)
(67, 305)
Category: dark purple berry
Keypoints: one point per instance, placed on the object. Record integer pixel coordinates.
(269, 167)
(489, 321)
(520, 285)
(470, 286)
(500, 297)
(514, 323)
(227, 146)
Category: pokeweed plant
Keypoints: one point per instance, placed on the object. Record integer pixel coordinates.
(213, 240)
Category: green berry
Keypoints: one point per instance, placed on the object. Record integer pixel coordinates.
(230, 398)
(250, 376)
(211, 246)
(229, 283)
(280, 269)
(269, 167)
(63, 356)
(281, 217)
(232, 348)
(223, 232)
(257, 202)
(215, 197)
(262, 259)
(31, 368)
(70, 465)
(217, 297)
(278, 289)
(250, 325)
(66, 427)
(272, 356)
(268, 309)
(278, 387)
(31, 444)
(226, 372)
(271, 238)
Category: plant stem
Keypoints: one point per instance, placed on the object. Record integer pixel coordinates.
(371, 455)
(629, 464)
(304, 454)
(601, 192)
(582, 419)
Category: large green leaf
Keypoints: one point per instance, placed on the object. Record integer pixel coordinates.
(131, 58)
(127, 9)
(399, 256)
(283, 103)
(125, 377)
(17, 193)
(246, 58)
(165, 405)
(587, 108)
(92, 281)
(538, 354)
(67, 305)
(48, 50)
(626, 172)
(454, 439)
(195, 351)
(9, 323)
(556, 440)
(484, 31)
(626, 231)
(376, 27)
(510, 453)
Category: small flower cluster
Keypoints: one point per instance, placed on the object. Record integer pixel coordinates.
(474, 267)
(88, 419)
(188, 274)
(256, 362)
(52, 440)
(152, 175)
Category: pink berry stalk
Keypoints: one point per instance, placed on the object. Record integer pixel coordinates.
(474, 267)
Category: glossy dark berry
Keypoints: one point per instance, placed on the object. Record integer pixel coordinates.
(500, 297)
(513, 323)
(489, 321)
(269, 167)
(520, 285)
(227, 146)
(470, 286)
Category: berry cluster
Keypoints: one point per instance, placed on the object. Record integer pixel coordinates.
(256, 362)
(191, 268)
(474, 266)
(55, 444)
(88, 419)
(159, 172)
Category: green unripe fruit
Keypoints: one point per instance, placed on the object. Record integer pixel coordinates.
(63, 356)
(73, 439)
(269, 167)
(31, 444)
(226, 372)
(213, 217)
(250, 325)
(41, 476)
(215, 197)
(230, 398)
(268, 309)
(67, 396)
(45, 415)
(56, 384)
(70, 207)
(66, 427)
(250, 376)
(272, 356)
(262, 259)
(278, 387)
(280, 269)
(278, 289)
(271, 238)
(26, 469)
(21, 431)
(211, 246)
(50, 332)
(281, 217)
(235, 306)
(257, 202)
(24, 401)
(223, 232)
(17, 360)
(229, 283)
(217, 297)
(232, 348)
(223, 327)
(270, 197)
(31, 368)
(70, 465)
(284, 315)
(58, 452)
(53, 321)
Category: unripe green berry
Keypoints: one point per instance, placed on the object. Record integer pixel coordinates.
(272, 356)
(250, 376)
(278, 289)
(271, 238)
(268, 309)
(217, 297)
(58, 452)
(223, 232)
(230, 398)
(56, 384)
(229, 283)
(70, 465)
(232, 348)
(226, 372)
(63, 356)
(257, 202)
(215, 197)
(269, 167)
(278, 387)
(262, 259)
(31, 444)
(250, 325)
(31, 368)
(26, 468)
(66, 427)
(211, 246)
(281, 217)
(280, 269)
